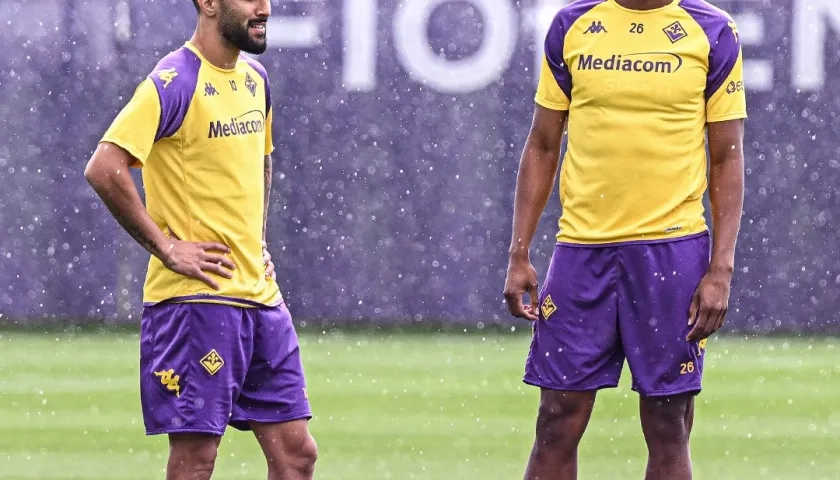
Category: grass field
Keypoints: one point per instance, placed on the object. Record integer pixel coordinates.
(421, 407)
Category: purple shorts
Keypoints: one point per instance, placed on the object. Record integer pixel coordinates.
(602, 304)
(205, 366)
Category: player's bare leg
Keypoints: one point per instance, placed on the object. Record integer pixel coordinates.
(192, 456)
(666, 423)
(561, 421)
(290, 450)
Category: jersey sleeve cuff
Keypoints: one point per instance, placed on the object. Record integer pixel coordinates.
(725, 117)
(139, 158)
(551, 105)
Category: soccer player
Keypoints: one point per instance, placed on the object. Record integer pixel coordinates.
(634, 275)
(217, 345)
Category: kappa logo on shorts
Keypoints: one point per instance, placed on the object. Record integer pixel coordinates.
(547, 306)
(212, 362)
(701, 347)
(170, 381)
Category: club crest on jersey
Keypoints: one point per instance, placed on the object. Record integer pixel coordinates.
(675, 32)
(166, 76)
(250, 84)
(547, 307)
(212, 362)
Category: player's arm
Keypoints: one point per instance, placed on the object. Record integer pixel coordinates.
(128, 143)
(726, 190)
(108, 173)
(534, 182)
(537, 170)
(725, 112)
(268, 175)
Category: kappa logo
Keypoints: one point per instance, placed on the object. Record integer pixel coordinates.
(547, 307)
(596, 27)
(675, 32)
(701, 347)
(170, 381)
(210, 90)
(166, 76)
(212, 362)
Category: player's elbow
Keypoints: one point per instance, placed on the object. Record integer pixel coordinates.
(94, 173)
(106, 165)
(542, 145)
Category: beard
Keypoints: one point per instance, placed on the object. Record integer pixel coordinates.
(237, 33)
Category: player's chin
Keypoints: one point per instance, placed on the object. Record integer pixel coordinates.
(256, 46)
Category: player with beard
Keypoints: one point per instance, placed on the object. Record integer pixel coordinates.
(217, 346)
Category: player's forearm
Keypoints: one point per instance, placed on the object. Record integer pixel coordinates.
(268, 172)
(726, 193)
(118, 193)
(534, 182)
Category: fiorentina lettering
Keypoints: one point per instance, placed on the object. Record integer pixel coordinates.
(648, 63)
(237, 126)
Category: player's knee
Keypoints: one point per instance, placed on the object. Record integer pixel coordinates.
(666, 427)
(193, 460)
(298, 457)
(306, 455)
(562, 423)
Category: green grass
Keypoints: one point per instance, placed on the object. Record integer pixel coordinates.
(421, 407)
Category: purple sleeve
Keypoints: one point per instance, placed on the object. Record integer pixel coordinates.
(175, 78)
(257, 66)
(555, 41)
(722, 58)
(724, 41)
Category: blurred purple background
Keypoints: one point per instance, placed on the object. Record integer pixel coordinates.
(398, 128)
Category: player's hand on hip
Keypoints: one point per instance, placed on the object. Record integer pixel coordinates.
(198, 259)
(269, 265)
(709, 305)
(521, 279)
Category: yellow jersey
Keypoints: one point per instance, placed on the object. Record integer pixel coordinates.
(639, 88)
(200, 134)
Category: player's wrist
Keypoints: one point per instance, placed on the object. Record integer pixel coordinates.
(519, 254)
(722, 268)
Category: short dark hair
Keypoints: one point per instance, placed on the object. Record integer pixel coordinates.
(195, 4)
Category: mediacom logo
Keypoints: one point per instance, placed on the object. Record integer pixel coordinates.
(238, 125)
(646, 62)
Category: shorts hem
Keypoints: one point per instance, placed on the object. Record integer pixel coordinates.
(162, 431)
(695, 389)
(584, 388)
(242, 423)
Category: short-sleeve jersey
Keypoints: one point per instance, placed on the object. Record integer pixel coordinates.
(639, 88)
(200, 134)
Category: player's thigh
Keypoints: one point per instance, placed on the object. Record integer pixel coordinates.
(657, 284)
(193, 361)
(274, 390)
(575, 344)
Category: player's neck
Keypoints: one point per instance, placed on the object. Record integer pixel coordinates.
(215, 48)
(643, 4)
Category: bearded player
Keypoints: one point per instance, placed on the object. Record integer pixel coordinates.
(635, 273)
(218, 346)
